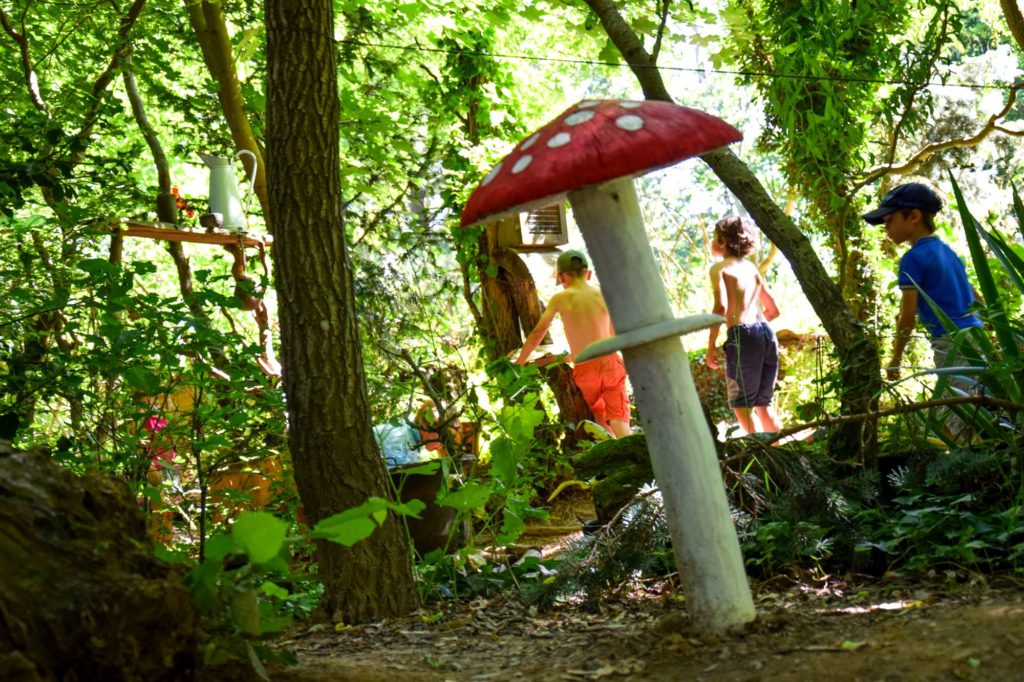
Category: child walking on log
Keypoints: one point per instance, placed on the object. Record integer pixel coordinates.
(751, 348)
(585, 319)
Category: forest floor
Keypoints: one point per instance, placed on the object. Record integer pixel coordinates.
(950, 627)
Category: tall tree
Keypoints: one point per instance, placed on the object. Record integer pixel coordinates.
(336, 460)
(859, 363)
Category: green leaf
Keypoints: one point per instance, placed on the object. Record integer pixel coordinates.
(142, 380)
(201, 582)
(986, 281)
(645, 25)
(512, 527)
(256, 663)
(520, 421)
(274, 590)
(96, 265)
(410, 508)
(245, 609)
(219, 546)
(411, 10)
(609, 53)
(467, 498)
(346, 532)
(505, 455)
(423, 469)
(260, 535)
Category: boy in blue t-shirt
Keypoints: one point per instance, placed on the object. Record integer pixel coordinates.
(908, 213)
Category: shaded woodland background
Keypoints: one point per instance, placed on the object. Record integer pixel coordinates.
(355, 300)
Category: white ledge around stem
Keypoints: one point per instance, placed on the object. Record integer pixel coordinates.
(649, 334)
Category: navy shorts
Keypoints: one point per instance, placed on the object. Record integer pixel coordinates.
(751, 364)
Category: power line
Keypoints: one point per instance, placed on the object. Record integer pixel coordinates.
(690, 69)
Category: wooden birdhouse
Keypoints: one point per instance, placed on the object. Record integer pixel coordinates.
(541, 229)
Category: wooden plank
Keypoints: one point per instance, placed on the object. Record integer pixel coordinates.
(176, 233)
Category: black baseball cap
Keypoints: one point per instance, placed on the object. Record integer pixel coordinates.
(911, 195)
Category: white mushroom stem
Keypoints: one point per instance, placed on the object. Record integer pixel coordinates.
(682, 451)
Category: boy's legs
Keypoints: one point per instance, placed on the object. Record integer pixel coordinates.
(751, 366)
(768, 417)
(602, 382)
(613, 393)
(955, 427)
(745, 418)
(769, 374)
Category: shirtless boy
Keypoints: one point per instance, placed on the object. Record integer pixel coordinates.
(585, 319)
(751, 349)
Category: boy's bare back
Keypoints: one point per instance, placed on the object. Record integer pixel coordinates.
(739, 289)
(584, 315)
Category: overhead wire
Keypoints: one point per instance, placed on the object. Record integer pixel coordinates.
(688, 69)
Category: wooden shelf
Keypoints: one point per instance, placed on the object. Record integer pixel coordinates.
(176, 233)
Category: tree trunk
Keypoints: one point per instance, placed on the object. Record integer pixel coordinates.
(858, 357)
(1014, 19)
(511, 309)
(81, 595)
(337, 465)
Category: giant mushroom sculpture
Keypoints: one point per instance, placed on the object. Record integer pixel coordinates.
(591, 153)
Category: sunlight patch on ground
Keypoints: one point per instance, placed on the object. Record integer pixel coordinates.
(884, 606)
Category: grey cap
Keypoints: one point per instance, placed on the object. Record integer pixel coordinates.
(572, 261)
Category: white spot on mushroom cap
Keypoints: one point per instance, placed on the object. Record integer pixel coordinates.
(559, 140)
(587, 103)
(528, 142)
(522, 163)
(579, 117)
(490, 176)
(630, 104)
(630, 122)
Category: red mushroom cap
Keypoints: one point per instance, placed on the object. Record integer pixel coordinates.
(592, 142)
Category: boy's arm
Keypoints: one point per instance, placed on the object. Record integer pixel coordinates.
(977, 297)
(537, 335)
(768, 305)
(717, 308)
(904, 326)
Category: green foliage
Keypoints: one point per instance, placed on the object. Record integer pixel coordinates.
(240, 592)
(776, 546)
(241, 588)
(964, 511)
(352, 525)
(930, 511)
(637, 547)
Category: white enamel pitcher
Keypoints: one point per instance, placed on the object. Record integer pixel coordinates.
(224, 195)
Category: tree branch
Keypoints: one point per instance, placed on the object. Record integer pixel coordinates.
(166, 206)
(26, 61)
(984, 400)
(631, 48)
(990, 126)
(663, 6)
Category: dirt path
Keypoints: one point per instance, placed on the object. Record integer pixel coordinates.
(892, 630)
(872, 634)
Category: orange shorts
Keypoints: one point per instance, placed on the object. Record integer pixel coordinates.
(602, 382)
